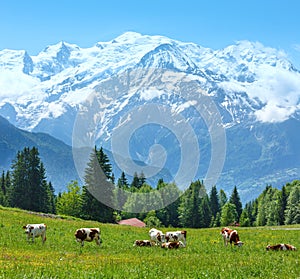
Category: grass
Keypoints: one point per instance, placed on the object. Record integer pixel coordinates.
(204, 257)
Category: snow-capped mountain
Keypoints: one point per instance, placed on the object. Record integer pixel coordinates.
(255, 89)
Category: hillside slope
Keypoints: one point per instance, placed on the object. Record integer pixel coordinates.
(56, 155)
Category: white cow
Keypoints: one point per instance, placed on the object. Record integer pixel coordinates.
(156, 236)
(35, 230)
(88, 234)
(176, 236)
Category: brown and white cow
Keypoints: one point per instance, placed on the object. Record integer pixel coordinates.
(173, 245)
(176, 236)
(142, 243)
(157, 236)
(281, 247)
(88, 234)
(231, 236)
(35, 230)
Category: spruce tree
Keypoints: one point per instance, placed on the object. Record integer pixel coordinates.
(190, 204)
(28, 182)
(98, 188)
(214, 202)
(235, 199)
(122, 181)
(135, 184)
(205, 212)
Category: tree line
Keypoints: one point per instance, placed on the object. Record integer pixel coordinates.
(25, 186)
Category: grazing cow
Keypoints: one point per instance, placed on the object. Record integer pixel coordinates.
(231, 236)
(88, 234)
(281, 247)
(173, 245)
(176, 236)
(157, 236)
(35, 230)
(142, 243)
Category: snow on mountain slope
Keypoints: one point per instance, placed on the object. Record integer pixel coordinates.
(62, 75)
(254, 88)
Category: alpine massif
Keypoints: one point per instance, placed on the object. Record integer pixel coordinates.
(254, 88)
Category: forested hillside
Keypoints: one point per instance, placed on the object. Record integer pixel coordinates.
(26, 187)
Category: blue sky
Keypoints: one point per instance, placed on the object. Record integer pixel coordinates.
(34, 24)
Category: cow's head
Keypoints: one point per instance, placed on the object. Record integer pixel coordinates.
(28, 229)
(181, 244)
(239, 243)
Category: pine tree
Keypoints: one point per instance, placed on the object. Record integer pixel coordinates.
(122, 181)
(104, 163)
(214, 204)
(235, 199)
(135, 184)
(190, 203)
(98, 189)
(28, 184)
(205, 212)
(120, 194)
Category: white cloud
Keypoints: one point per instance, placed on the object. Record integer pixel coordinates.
(14, 84)
(279, 89)
(273, 113)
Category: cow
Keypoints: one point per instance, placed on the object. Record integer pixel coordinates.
(281, 247)
(231, 236)
(176, 236)
(173, 245)
(88, 234)
(35, 230)
(142, 243)
(157, 236)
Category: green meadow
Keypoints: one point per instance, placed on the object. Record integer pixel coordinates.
(204, 257)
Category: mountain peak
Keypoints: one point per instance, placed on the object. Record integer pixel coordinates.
(128, 37)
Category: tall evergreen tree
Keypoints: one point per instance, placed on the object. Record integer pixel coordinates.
(104, 163)
(190, 203)
(122, 181)
(28, 185)
(98, 188)
(205, 212)
(135, 184)
(235, 199)
(214, 201)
